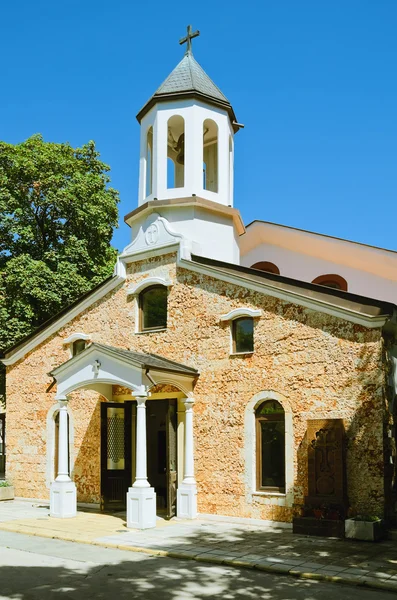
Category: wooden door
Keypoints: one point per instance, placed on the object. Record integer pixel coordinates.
(115, 454)
(171, 425)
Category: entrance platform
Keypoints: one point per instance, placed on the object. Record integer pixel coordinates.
(220, 541)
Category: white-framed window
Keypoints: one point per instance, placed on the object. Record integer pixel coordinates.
(77, 342)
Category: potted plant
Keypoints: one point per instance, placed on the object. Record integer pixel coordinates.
(6, 491)
(365, 527)
(333, 513)
(318, 512)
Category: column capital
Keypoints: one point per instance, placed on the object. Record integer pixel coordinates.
(188, 401)
(141, 400)
(61, 398)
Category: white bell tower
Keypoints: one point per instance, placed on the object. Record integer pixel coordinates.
(186, 161)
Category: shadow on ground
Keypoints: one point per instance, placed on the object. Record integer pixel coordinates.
(53, 569)
(162, 579)
(256, 543)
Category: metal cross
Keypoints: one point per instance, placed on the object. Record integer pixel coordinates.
(188, 39)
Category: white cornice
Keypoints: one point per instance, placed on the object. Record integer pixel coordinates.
(63, 320)
(372, 322)
(241, 312)
(76, 336)
(145, 283)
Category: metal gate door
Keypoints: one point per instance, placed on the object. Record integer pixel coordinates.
(115, 454)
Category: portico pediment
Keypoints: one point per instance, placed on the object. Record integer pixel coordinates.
(100, 364)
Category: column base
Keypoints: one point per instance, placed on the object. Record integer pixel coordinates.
(141, 508)
(63, 499)
(187, 501)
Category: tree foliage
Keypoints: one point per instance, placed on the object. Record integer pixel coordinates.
(57, 215)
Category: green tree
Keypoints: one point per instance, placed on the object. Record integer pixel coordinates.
(57, 215)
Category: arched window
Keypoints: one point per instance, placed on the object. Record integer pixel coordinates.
(153, 308)
(78, 346)
(149, 161)
(270, 446)
(243, 335)
(175, 152)
(332, 281)
(210, 155)
(266, 266)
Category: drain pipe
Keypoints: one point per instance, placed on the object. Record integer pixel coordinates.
(150, 377)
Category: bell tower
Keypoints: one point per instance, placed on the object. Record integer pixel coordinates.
(186, 159)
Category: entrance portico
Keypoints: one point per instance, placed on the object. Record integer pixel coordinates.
(99, 368)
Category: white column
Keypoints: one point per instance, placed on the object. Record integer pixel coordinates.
(189, 457)
(187, 491)
(141, 450)
(141, 498)
(63, 444)
(63, 499)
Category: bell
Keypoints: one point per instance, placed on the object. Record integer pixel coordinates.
(180, 159)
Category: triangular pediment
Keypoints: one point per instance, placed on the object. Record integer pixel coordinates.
(100, 364)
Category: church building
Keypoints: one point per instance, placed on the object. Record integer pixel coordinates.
(223, 369)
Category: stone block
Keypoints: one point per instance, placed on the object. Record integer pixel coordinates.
(7, 493)
(141, 508)
(369, 531)
(318, 527)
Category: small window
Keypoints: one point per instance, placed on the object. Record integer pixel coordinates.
(270, 447)
(333, 281)
(78, 346)
(153, 308)
(243, 335)
(268, 267)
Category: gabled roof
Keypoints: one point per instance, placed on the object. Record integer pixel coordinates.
(357, 309)
(140, 359)
(188, 79)
(73, 309)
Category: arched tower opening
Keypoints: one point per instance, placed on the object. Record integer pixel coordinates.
(175, 152)
(210, 156)
(149, 161)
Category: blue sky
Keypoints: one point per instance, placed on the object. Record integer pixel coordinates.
(314, 83)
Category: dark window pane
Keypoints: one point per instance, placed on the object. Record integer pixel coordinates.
(273, 454)
(78, 346)
(270, 407)
(154, 308)
(243, 331)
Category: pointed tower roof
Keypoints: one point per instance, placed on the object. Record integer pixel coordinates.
(189, 76)
(189, 80)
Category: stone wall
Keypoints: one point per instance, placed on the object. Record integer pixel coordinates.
(325, 367)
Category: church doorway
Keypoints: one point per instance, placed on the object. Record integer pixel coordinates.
(161, 425)
(118, 423)
(116, 454)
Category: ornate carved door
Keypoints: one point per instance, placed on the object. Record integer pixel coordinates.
(115, 454)
(171, 425)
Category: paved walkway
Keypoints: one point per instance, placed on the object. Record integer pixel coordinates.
(271, 549)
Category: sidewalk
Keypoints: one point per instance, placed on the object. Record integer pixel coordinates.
(271, 549)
